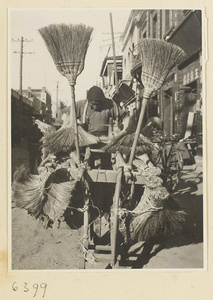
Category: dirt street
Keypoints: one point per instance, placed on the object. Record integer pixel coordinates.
(34, 247)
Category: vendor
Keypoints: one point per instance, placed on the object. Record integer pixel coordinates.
(95, 112)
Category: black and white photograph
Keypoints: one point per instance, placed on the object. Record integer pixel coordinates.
(107, 141)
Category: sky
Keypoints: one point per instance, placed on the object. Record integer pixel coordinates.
(38, 67)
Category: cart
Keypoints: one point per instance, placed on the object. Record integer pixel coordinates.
(95, 253)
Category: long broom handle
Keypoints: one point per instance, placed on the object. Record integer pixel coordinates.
(138, 130)
(73, 105)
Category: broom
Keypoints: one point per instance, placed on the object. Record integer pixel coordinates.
(28, 190)
(63, 140)
(58, 199)
(46, 129)
(68, 46)
(157, 215)
(158, 59)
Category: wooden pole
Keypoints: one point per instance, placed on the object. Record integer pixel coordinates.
(73, 111)
(57, 100)
(138, 130)
(114, 56)
(20, 88)
(114, 61)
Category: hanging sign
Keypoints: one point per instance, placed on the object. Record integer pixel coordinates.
(192, 73)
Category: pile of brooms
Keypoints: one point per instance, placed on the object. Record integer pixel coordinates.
(41, 195)
(156, 213)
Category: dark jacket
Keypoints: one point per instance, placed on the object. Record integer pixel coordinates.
(96, 122)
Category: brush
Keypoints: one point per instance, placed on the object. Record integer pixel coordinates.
(68, 44)
(28, 190)
(158, 59)
(63, 140)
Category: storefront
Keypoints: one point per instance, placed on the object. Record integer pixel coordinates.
(180, 99)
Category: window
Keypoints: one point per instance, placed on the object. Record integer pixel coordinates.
(119, 76)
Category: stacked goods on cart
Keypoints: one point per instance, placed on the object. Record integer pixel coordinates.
(156, 214)
(48, 194)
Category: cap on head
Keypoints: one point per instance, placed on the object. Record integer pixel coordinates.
(95, 94)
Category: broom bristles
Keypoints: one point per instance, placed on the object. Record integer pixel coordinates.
(64, 140)
(58, 199)
(158, 59)
(27, 191)
(67, 45)
(162, 223)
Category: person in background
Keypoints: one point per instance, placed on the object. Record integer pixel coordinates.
(16, 136)
(34, 146)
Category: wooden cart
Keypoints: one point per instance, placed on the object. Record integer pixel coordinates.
(95, 254)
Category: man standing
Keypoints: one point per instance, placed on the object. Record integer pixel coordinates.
(95, 112)
(34, 146)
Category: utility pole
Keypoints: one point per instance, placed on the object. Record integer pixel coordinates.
(114, 56)
(56, 107)
(57, 100)
(22, 41)
(21, 67)
(115, 65)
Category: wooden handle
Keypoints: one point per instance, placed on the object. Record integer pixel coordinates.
(138, 130)
(73, 110)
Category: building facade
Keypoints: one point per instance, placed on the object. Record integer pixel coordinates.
(21, 111)
(42, 100)
(179, 102)
(32, 102)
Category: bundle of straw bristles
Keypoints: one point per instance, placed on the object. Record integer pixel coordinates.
(47, 195)
(123, 145)
(68, 46)
(156, 215)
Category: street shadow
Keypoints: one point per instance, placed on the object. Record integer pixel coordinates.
(191, 202)
(190, 199)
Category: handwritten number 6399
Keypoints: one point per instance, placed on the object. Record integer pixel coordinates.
(27, 288)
